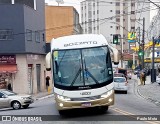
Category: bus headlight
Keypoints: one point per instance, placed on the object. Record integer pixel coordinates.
(107, 94)
(63, 98)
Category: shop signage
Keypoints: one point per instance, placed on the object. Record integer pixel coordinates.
(7, 59)
(150, 60)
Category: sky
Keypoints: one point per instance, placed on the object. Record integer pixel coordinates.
(76, 4)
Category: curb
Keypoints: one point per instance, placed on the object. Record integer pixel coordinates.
(48, 96)
(156, 102)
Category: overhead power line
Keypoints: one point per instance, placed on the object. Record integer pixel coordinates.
(108, 18)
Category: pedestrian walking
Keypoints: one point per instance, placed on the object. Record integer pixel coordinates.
(47, 82)
(138, 74)
(9, 87)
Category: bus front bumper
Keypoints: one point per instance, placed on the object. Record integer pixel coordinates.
(66, 105)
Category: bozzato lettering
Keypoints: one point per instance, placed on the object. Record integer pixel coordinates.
(80, 43)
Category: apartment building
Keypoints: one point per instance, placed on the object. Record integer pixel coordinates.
(97, 17)
(61, 21)
(115, 17)
(22, 45)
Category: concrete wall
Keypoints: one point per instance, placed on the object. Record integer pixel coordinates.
(59, 21)
(20, 78)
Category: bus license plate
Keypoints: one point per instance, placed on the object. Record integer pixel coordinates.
(86, 104)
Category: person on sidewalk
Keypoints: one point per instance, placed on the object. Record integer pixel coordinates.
(138, 74)
(47, 82)
(9, 87)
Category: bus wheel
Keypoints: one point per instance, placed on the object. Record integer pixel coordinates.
(61, 112)
(103, 109)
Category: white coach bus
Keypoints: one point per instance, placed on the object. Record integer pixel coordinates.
(82, 72)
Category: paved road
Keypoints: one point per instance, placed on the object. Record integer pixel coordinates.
(125, 104)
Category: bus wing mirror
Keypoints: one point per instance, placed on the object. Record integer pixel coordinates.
(114, 54)
(48, 61)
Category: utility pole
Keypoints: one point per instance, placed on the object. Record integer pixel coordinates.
(143, 43)
(153, 71)
(121, 51)
(139, 43)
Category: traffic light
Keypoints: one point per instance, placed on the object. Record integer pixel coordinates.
(115, 39)
(140, 53)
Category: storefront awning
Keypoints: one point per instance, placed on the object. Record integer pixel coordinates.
(8, 68)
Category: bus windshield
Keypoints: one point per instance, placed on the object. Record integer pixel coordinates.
(82, 68)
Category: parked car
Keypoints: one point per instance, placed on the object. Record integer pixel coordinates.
(120, 84)
(14, 100)
(136, 71)
(118, 75)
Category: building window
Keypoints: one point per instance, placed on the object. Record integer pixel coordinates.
(110, 2)
(6, 34)
(29, 35)
(30, 3)
(117, 27)
(133, 28)
(82, 8)
(110, 10)
(37, 36)
(111, 34)
(5, 1)
(93, 12)
(117, 19)
(43, 37)
(124, 12)
(111, 26)
(123, 20)
(94, 4)
(132, 4)
(97, 11)
(132, 12)
(117, 11)
(124, 4)
(117, 4)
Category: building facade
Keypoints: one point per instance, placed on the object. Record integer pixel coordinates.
(117, 17)
(22, 45)
(61, 21)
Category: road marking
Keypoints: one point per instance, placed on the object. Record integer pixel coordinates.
(131, 115)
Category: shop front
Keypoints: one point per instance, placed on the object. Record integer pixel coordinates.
(8, 69)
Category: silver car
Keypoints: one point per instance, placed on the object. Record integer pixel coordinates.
(120, 84)
(14, 100)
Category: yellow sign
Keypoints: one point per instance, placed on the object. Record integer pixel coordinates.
(131, 35)
(148, 60)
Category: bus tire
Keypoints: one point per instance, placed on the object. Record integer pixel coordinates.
(103, 109)
(61, 112)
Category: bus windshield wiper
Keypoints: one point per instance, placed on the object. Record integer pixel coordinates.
(78, 73)
(90, 73)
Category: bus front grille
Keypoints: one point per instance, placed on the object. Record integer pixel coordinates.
(86, 98)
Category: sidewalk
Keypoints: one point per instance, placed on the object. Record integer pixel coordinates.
(150, 91)
(42, 95)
